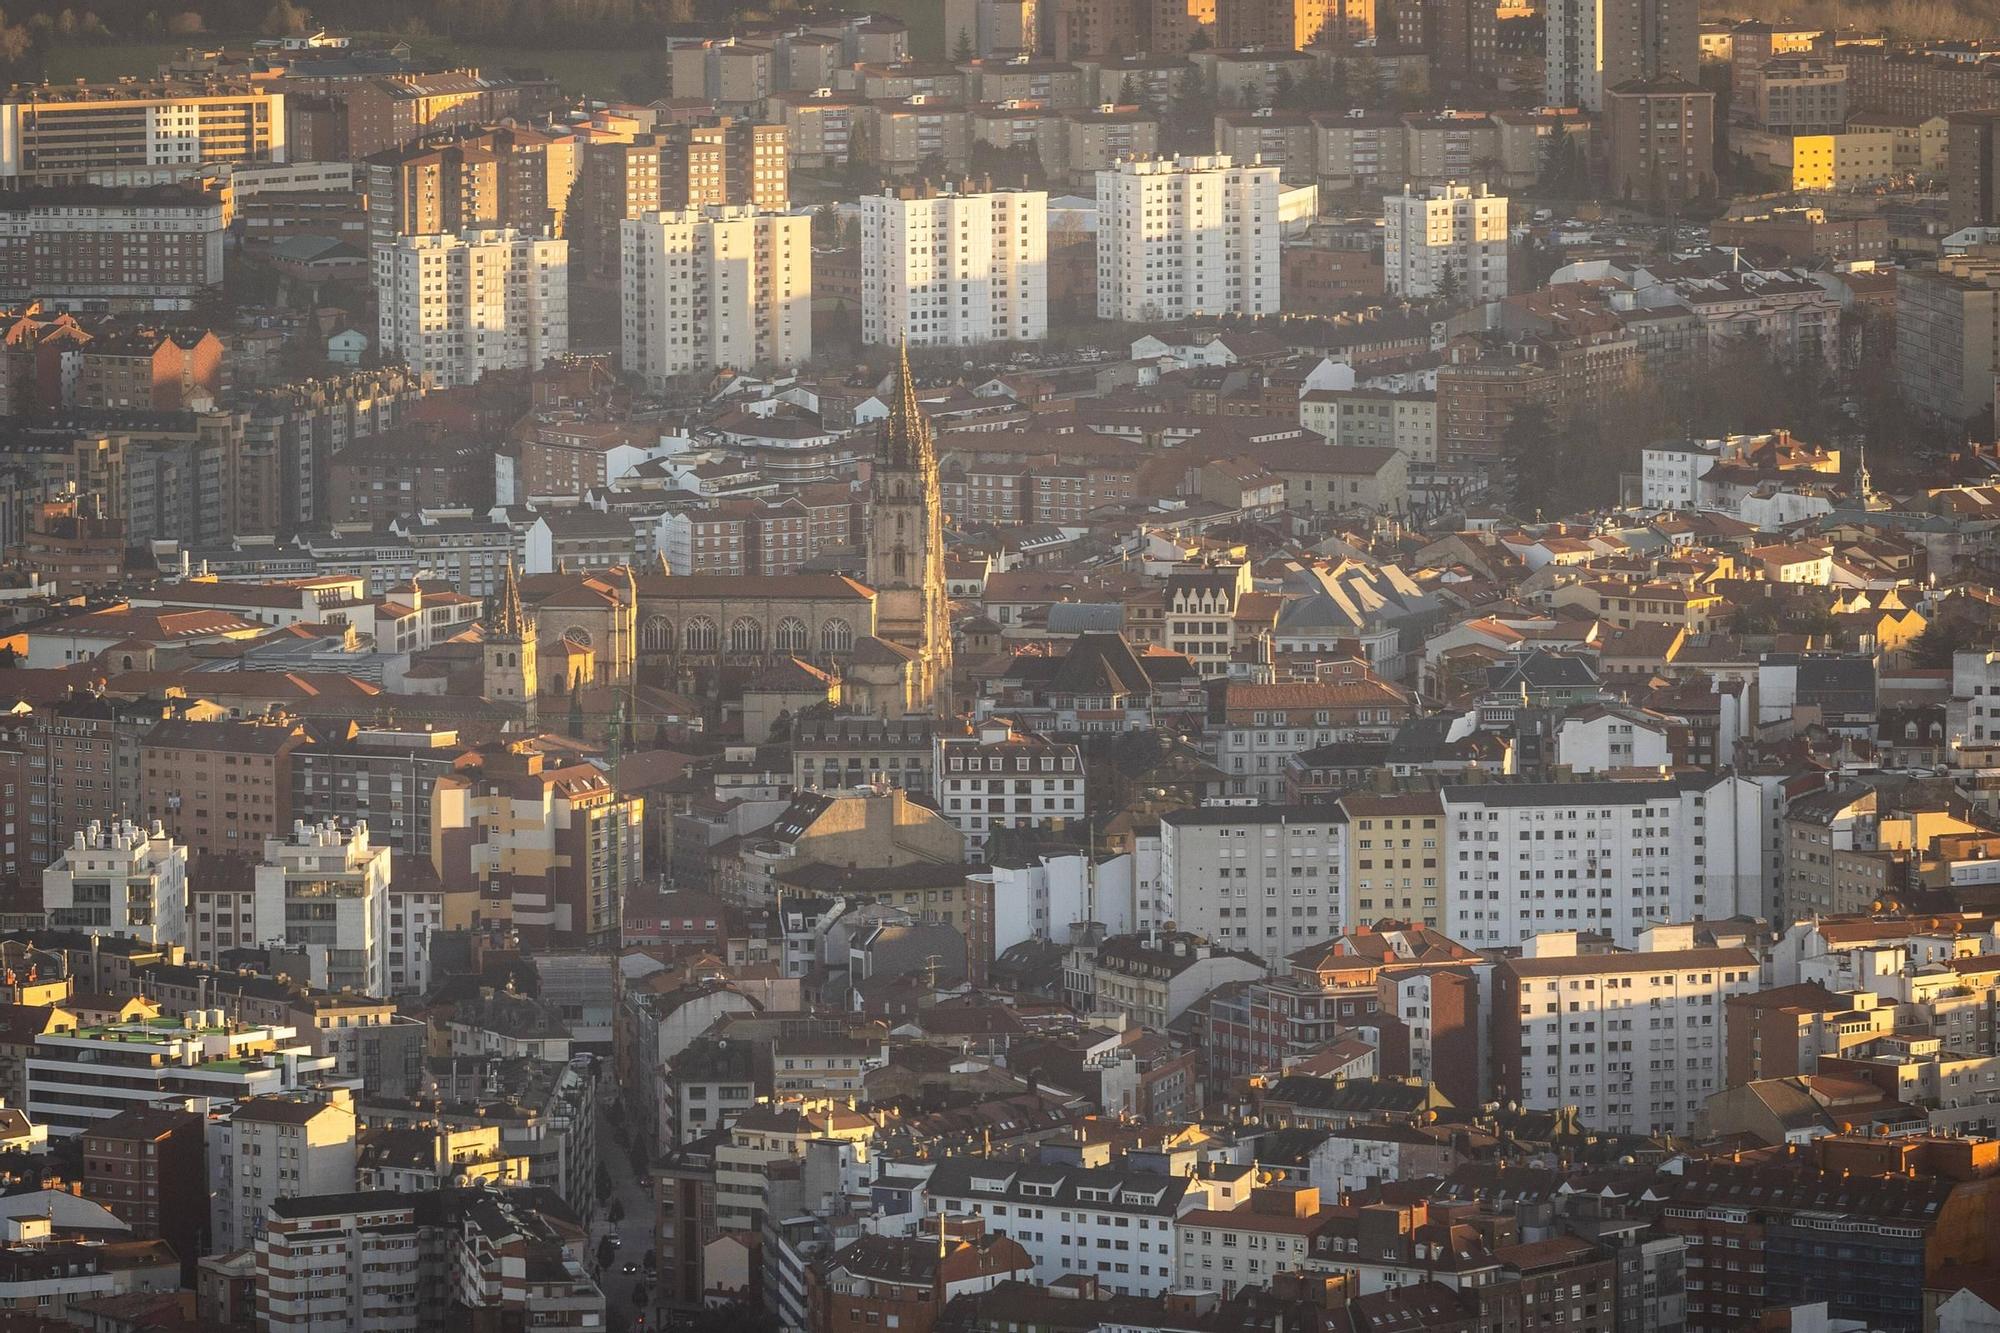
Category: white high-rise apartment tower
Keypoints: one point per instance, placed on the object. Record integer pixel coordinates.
(1594, 45)
(721, 286)
(1450, 229)
(120, 879)
(456, 306)
(326, 890)
(955, 270)
(1186, 236)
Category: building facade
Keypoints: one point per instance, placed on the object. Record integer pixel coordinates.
(954, 270)
(1636, 1041)
(1450, 239)
(1186, 236)
(454, 306)
(724, 288)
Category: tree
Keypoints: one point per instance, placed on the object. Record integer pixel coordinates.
(826, 224)
(185, 24)
(638, 1295)
(1932, 650)
(1190, 121)
(616, 1213)
(1529, 456)
(962, 52)
(1451, 287)
(607, 1253)
(285, 19)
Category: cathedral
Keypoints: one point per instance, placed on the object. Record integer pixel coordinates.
(906, 549)
(887, 635)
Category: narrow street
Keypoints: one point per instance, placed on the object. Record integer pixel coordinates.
(635, 1228)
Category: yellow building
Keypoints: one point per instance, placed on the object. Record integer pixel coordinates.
(1847, 161)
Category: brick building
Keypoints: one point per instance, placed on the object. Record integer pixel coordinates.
(402, 471)
(161, 369)
(220, 787)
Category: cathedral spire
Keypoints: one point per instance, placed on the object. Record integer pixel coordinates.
(511, 618)
(906, 435)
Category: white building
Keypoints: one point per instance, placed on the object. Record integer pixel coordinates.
(1227, 1249)
(1613, 857)
(415, 912)
(121, 880)
(77, 1078)
(717, 287)
(1598, 737)
(1263, 878)
(1449, 231)
(1041, 899)
(1634, 1041)
(453, 307)
(267, 1148)
(1671, 472)
(955, 270)
(1072, 1220)
(325, 890)
(1186, 236)
(998, 777)
(385, 1262)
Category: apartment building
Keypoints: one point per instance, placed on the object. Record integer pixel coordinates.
(324, 890)
(1262, 726)
(1793, 95)
(300, 427)
(144, 1165)
(1186, 236)
(1103, 1222)
(1636, 1041)
(1359, 418)
(851, 750)
(1660, 139)
(1152, 978)
(139, 249)
(87, 754)
(390, 1262)
(950, 269)
(723, 287)
(720, 162)
(1948, 335)
(454, 306)
(79, 1077)
(1396, 851)
(998, 777)
(1228, 1249)
(123, 880)
(772, 1133)
(1262, 878)
(162, 370)
(1842, 161)
(1595, 45)
(1972, 158)
(382, 775)
(1451, 238)
(264, 1149)
(219, 787)
(1611, 857)
(549, 847)
(144, 133)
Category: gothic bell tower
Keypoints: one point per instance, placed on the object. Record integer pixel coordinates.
(509, 655)
(906, 545)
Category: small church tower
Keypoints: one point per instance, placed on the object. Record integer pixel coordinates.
(510, 651)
